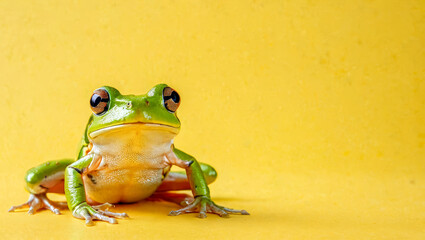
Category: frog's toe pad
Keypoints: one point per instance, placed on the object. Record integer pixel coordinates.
(39, 201)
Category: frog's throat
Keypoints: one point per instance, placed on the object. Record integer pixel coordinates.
(158, 126)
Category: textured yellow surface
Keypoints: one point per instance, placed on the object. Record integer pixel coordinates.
(313, 112)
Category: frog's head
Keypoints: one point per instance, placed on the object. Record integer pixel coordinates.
(112, 110)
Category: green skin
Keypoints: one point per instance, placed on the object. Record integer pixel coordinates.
(67, 175)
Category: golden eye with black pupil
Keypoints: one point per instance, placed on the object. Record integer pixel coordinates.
(171, 99)
(99, 101)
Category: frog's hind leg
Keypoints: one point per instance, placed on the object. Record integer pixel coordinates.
(45, 178)
(176, 181)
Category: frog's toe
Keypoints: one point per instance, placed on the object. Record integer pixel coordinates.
(103, 209)
(35, 205)
(112, 214)
(180, 211)
(26, 204)
(13, 208)
(234, 211)
(49, 205)
(102, 217)
(203, 210)
(215, 209)
(84, 213)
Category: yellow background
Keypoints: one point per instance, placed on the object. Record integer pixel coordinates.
(312, 112)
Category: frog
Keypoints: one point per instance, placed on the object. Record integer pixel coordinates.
(125, 156)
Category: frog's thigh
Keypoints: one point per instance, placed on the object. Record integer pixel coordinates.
(178, 180)
(47, 177)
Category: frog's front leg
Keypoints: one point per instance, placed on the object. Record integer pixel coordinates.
(45, 178)
(76, 196)
(202, 202)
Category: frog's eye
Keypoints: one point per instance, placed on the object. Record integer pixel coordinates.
(99, 101)
(171, 99)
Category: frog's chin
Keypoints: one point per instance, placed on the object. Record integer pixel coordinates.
(130, 127)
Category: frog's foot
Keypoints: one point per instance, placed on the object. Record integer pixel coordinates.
(204, 205)
(100, 212)
(39, 201)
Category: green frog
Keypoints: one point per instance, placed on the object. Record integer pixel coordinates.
(125, 156)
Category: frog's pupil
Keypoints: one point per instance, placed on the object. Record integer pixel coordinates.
(95, 100)
(175, 96)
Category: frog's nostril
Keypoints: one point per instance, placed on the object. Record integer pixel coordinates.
(147, 102)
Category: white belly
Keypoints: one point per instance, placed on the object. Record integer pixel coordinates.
(128, 163)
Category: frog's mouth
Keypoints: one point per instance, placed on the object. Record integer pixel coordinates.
(136, 126)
